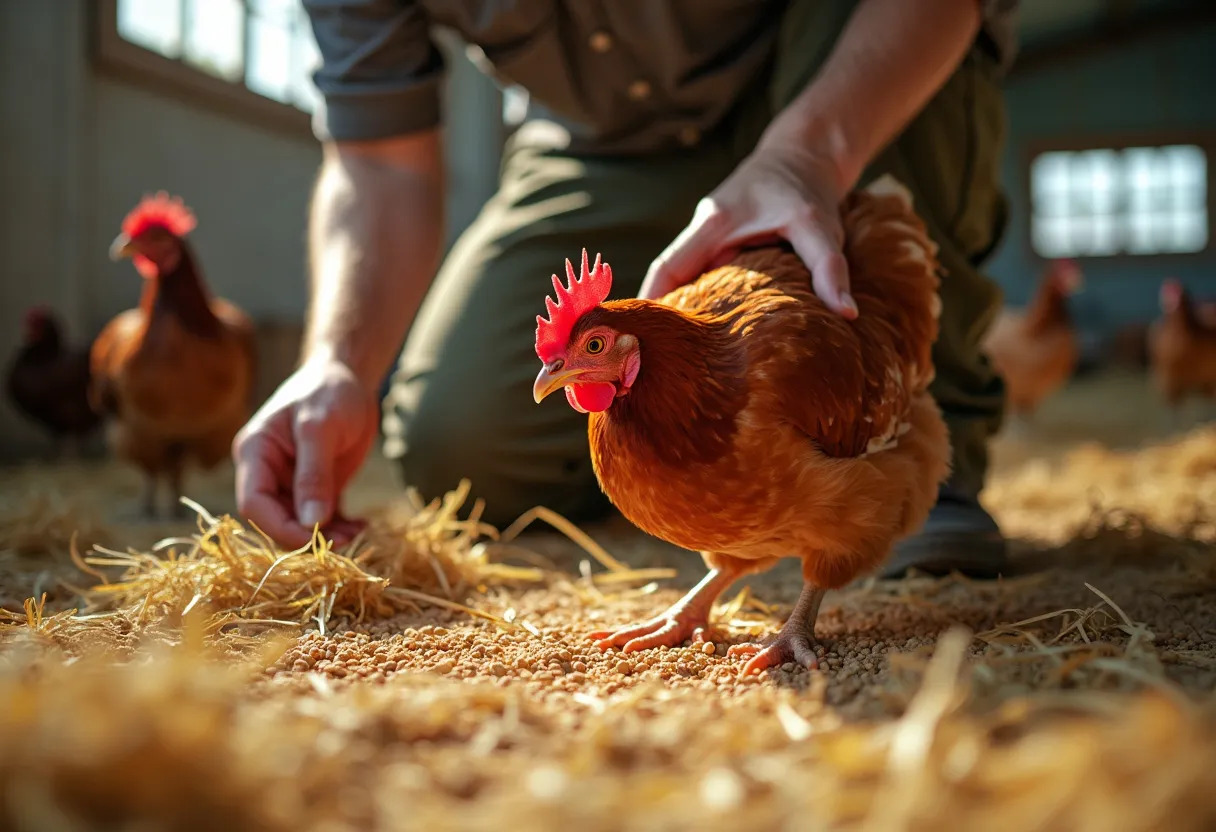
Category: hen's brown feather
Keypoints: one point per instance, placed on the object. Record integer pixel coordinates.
(48, 380)
(1035, 349)
(763, 425)
(175, 375)
(1182, 352)
(845, 384)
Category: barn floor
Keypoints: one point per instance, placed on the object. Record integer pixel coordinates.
(1074, 695)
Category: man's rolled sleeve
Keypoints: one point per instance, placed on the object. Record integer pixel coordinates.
(380, 71)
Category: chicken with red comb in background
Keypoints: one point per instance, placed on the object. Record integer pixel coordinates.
(174, 376)
(741, 417)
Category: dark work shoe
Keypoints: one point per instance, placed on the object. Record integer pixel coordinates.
(959, 536)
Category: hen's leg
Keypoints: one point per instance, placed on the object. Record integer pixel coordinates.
(177, 463)
(177, 509)
(67, 448)
(1178, 417)
(687, 618)
(795, 642)
(1020, 424)
(149, 498)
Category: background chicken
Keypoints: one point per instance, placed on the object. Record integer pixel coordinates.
(1035, 349)
(741, 418)
(1182, 348)
(48, 381)
(176, 374)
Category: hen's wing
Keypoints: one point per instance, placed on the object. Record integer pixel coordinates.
(846, 384)
(871, 368)
(63, 387)
(106, 358)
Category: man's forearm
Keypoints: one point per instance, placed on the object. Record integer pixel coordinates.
(892, 57)
(375, 237)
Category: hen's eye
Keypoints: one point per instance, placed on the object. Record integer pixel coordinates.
(595, 345)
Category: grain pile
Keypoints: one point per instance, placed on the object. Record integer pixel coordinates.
(438, 677)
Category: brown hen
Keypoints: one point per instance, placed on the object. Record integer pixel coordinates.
(48, 381)
(175, 375)
(739, 417)
(1035, 350)
(1182, 347)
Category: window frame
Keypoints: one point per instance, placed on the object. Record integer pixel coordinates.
(135, 64)
(1204, 139)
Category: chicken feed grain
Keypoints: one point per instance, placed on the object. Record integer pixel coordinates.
(437, 674)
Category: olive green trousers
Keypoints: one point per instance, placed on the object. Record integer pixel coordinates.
(460, 402)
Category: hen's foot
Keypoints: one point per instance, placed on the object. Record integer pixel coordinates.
(670, 629)
(148, 500)
(787, 647)
(795, 642)
(1019, 426)
(687, 619)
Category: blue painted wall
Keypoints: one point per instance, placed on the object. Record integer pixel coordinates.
(1163, 82)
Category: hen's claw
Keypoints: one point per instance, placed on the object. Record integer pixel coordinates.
(795, 642)
(687, 619)
(787, 647)
(672, 629)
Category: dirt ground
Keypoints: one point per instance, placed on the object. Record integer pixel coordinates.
(1075, 694)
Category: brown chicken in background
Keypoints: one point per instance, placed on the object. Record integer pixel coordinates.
(1182, 347)
(1128, 347)
(48, 381)
(738, 416)
(1035, 349)
(175, 375)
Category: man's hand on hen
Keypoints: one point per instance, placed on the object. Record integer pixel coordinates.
(776, 193)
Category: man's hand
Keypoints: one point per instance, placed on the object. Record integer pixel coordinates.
(784, 193)
(300, 450)
(893, 56)
(375, 232)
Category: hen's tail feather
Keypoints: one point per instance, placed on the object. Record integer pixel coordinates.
(894, 268)
(888, 185)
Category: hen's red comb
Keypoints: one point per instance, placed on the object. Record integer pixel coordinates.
(160, 210)
(37, 313)
(570, 303)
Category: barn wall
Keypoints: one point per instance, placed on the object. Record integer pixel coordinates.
(80, 147)
(1155, 85)
(41, 67)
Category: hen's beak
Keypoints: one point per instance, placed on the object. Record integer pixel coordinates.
(121, 247)
(550, 379)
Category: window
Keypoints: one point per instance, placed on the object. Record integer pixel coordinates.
(1129, 201)
(229, 50)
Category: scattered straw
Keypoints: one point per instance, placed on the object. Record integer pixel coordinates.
(463, 692)
(231, 572)
(413, 555)
(178, 740)
(1093, 488)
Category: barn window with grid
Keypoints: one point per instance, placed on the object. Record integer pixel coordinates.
(1126, 201)
(263, 46)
